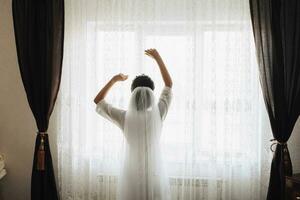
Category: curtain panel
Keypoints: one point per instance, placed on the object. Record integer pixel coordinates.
(211, 137)
(276, 27)
(39, 35)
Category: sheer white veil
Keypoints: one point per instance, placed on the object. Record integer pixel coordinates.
(143, 112)
(142, 120)
(143, 162)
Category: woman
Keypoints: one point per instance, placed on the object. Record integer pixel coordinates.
(142, 176)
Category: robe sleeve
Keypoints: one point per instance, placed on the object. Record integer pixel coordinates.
(165, 101)
(115, 115)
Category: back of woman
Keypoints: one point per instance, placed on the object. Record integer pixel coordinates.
(142, 175)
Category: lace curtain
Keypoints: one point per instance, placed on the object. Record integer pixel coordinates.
(214, 136)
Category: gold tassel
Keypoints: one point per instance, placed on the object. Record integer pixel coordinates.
(41, 154)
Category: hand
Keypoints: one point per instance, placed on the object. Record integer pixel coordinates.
(120, 77)
(152, 53)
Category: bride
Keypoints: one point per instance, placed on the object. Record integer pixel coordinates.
(142, 175)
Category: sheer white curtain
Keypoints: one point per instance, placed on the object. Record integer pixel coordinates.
(214, 135)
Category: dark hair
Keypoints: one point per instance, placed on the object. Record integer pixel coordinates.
(142, 81)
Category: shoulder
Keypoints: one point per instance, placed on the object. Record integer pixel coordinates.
(166, 93)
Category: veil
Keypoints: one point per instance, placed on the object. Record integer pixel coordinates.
(142, 174)
(142, 117)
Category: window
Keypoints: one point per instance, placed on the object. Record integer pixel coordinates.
(213, 90)
(212, 133)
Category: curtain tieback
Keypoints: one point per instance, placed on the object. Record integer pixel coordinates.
(41, 152)
(275, 142)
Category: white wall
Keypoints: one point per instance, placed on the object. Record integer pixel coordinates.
(17, 126)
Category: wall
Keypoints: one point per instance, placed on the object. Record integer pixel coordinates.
(294, 146)
(17, 127)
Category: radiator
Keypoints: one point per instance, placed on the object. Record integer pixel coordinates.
(181, 188)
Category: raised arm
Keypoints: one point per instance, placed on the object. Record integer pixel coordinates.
(163, 69)
(103, 92)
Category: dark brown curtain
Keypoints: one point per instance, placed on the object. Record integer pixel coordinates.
(276, 27)
(39, 34)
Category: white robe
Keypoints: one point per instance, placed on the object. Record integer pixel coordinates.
(142, 175)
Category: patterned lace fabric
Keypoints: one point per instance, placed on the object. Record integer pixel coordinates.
(2, 165)
(216, 136)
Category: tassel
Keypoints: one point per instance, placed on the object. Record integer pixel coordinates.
(41, 155)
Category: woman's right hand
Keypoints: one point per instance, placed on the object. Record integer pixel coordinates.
(153, 53)
(120, 77)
